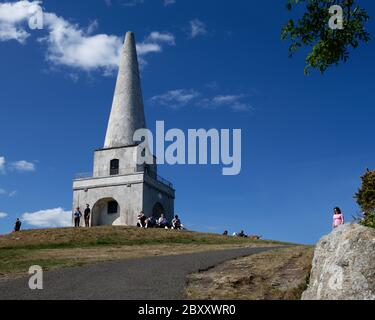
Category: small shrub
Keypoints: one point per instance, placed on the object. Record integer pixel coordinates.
(366, 199)
(368, 220)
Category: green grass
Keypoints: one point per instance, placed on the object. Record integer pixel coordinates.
(55, 248)
(19, 261)
(113, 236)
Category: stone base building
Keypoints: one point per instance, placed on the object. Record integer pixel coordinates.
(120, 188)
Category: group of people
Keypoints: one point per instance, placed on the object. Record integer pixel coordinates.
(143, 221)
(338, 220)
(78, 215)
(162, 222)
(242, 234)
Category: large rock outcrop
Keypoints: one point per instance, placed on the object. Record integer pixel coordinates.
(344, 265)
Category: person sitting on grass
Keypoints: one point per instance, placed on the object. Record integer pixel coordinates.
(151, 222)
(176, 223)
(141, 220)
(163, 222)
(242, 234)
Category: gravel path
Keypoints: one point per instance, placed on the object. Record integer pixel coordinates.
(161, 278)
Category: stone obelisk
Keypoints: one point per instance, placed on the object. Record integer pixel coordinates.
(120, 187)
(127, 114)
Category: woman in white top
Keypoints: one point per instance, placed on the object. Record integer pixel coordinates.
(163, 222)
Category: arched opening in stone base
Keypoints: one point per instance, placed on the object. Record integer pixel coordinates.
(157, 210)
(105, 212)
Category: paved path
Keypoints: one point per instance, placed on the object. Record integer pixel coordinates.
(161, 278)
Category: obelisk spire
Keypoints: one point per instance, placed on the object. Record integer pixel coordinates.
(127, 114)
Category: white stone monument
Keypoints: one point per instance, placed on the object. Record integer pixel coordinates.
(119, 188)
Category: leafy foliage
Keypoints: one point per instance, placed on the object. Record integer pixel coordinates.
(329, 47)
(369, 220)
(366, 199)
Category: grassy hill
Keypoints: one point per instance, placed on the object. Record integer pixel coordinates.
(55, 248)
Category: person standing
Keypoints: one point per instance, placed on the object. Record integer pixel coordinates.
(77, 218)
(338, 218)
(87, 215)
(17, 225)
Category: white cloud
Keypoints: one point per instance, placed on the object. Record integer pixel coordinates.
(92, 26)
(3, 192)
(241, 107)
(70, 45)
(153, 43)
(169, 2)
(13, 17)
(145, 48)
(132, 3)
(234, 102)
(197, 28)
(175, 98)
(23, 166)
(2, 165)
(51, 218)
(160, 37)
(12, 194)
(213, 85)
(3, 215)
(223, 100)
(67, 43)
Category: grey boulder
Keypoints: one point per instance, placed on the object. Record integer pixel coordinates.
(344, 265)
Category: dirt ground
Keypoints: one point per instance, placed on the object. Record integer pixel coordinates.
(275, 275)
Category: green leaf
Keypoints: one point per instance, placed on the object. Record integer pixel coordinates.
(328, 47)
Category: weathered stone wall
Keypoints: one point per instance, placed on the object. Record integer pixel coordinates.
(152, 196)
(127, 157)
(128, 196)
(128, 163)
(133, 193)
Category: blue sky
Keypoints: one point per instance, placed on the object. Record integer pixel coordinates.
(306, 140)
